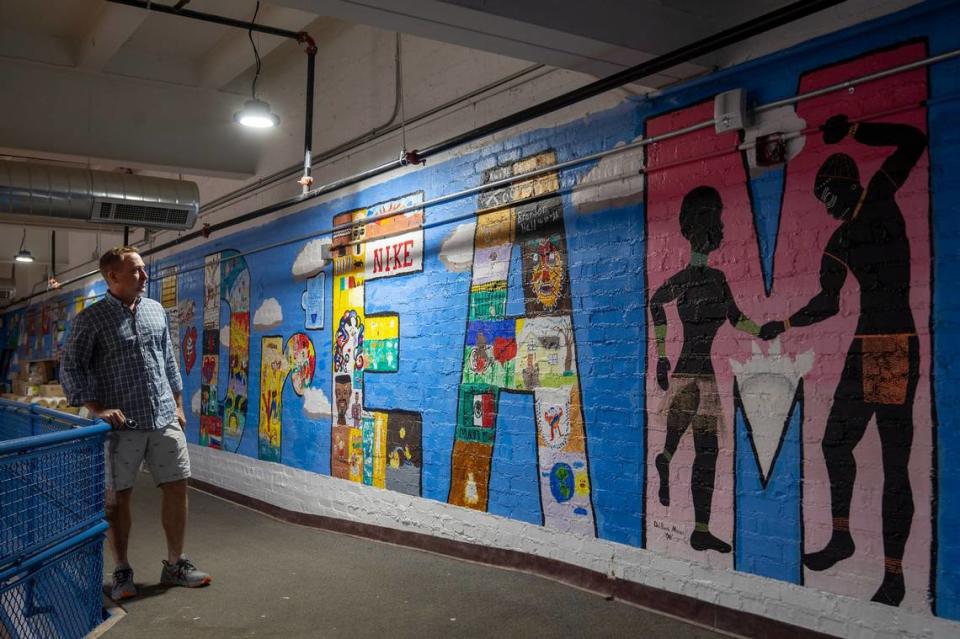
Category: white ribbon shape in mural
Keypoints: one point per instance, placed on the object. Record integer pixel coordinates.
(768, 385)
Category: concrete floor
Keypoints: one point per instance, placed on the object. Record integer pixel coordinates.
(274, 579)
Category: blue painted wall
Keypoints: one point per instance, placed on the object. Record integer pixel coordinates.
(605, 257)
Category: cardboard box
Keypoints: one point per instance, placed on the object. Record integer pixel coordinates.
(41, 371)
(25, 389)
(51, 390)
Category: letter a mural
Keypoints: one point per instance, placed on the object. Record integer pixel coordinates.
(533, 354)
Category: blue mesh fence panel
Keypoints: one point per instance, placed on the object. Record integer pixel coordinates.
(61, 599)
(51, 494)
(48, 494)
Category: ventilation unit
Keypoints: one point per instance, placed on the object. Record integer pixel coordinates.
(101, 197)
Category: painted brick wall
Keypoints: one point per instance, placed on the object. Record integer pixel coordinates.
(492, 369)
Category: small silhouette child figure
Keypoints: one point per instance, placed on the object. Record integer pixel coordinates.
(704, 302)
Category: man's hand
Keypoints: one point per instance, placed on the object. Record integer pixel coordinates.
(835, 129)
(663, 373)
(181, 418)
(772, 329)
(113, 416)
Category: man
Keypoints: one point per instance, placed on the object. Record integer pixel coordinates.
(882, 367)
(119, 363)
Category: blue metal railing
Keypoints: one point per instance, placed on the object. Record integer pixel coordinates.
(51, 478)
(51, 522)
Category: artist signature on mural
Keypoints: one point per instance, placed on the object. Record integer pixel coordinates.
(670, 531)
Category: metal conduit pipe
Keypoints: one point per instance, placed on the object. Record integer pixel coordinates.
(762, 24)
(382, 130)
(292, 170)
(522, 177)
(766, 22)
(207, 17)
(302, 37)
(306, 180)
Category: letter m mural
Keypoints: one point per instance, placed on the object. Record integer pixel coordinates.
(773, 489)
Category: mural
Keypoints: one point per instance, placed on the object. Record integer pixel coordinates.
(534, 353)
(295, 361)
(312, 303)
(719, 347)
(226, 278)
(375, 447)
(852, 276)
(704, 304)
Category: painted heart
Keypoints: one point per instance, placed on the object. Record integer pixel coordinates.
(190, 348)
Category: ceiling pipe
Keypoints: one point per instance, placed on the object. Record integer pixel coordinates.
(762, 24)
(751, 28)
(207, 17)
(301, 37)
(378, 131)
(306, 181)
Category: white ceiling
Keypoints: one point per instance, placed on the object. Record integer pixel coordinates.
(118, 85)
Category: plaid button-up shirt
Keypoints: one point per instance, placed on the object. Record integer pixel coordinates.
(123, 359)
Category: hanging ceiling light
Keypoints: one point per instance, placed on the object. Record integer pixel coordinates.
(256, 113)
(23, 255)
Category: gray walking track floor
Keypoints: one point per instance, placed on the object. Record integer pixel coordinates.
(276, 579)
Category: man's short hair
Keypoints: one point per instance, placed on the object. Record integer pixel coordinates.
(112, 258)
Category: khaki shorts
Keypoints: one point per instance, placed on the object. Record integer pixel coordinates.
(164, 451)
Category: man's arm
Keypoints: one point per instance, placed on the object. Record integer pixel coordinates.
(734, 315)
(910, 143)
(172, 371)
(670, 291)
(909, 140)
(76, 374)
(826, 303)
(181, 416)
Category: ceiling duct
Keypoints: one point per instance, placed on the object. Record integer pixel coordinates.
(29, 190)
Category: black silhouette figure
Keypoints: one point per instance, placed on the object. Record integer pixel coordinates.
(704, 302)
(882, 366)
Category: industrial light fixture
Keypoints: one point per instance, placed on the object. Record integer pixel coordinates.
(23, 255)
(256, 113)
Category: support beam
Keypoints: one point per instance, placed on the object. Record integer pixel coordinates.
(107, 32)
(132, 122)
(575, 35)
(522, 37)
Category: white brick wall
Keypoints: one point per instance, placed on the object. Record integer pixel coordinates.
(306, 492)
